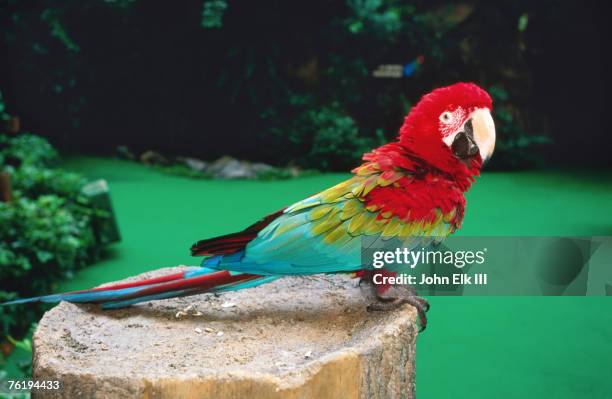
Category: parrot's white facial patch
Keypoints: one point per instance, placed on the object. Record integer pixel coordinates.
(450, 123)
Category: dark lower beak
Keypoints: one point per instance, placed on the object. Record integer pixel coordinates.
(464, 146)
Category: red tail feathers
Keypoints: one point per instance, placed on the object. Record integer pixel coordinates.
(232, 243)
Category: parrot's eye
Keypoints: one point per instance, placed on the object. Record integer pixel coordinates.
(446, 117)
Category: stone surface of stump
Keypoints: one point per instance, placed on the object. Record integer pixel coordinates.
(297, 337)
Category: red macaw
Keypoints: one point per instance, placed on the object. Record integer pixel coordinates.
(411, 189)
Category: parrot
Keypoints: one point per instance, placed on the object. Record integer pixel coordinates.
(411, 189)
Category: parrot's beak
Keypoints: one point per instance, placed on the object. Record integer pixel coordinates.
(476, 136)
(484, 132)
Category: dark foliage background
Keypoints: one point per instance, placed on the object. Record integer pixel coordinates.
(291, 82)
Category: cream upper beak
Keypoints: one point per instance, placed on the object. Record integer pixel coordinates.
(484, 132)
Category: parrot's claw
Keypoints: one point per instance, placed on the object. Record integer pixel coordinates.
(395, 297)
(420, 304)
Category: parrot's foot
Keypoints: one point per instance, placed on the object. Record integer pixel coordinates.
(394, 296)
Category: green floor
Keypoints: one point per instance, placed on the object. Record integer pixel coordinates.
(474, 347)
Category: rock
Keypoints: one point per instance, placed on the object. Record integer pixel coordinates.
(194, 164)
(259, 168)
(294, 171)
(297, 337)
(153, 158)
(227, 167)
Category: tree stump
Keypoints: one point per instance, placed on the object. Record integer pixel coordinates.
(297, 337)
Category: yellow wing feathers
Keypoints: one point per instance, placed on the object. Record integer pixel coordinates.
(340, 212)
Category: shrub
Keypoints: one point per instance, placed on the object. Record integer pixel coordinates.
(335, 143)
(21, 362)
(42, 241)
(49, 230)
(322, 138)
(30, 181)
(28, 149)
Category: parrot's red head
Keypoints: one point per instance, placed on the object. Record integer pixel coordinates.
(451, 128)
